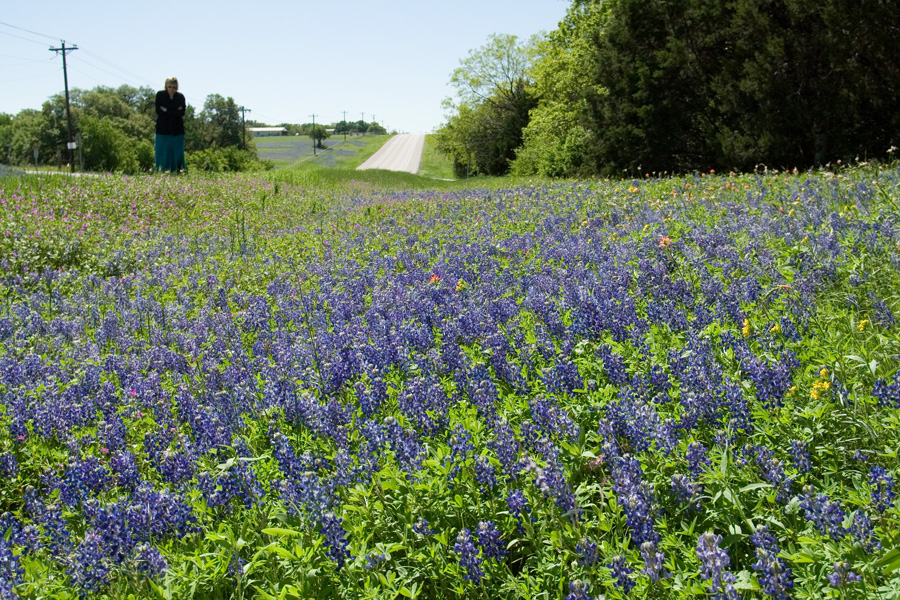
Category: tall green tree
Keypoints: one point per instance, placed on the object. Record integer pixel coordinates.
(220, 122)
(557, 138)
(698, 84)
(491, 106)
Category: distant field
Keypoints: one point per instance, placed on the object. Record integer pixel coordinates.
(286, 151)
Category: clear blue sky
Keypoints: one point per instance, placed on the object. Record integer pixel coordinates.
(284, 60)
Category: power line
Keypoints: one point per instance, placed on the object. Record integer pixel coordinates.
(118, 68)
(49, 37)
(54, 71)
(24, 58)
(23, 38)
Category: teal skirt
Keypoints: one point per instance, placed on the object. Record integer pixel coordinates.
(170, 153)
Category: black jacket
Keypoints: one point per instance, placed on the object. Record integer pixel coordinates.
(170, 113)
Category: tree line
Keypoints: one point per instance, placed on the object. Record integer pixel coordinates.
(116, 127)
(641, 86)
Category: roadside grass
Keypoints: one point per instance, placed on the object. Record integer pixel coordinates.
(348, 179)
(434, 164)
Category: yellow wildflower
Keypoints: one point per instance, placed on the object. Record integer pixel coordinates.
(746, 329)
(862, 324)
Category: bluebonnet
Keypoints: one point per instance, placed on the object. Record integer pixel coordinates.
(335, 539)
(587, 552)
(774, 575)
(653, 562)
(841, 575)
(460, 448)
(9, 467)
(125, 470)
(613, 365)
(421, 527)
(506, 447)
(484, 474)
(111, 524)
(490, 540)
(53, 524)
(799, 451)
(772, 470)
(160, 514)
(553, 420)
(518, 506)
(620, 574)
(484, 395)
(563, 377)
(82, 479)
(11, 572)
(686, 491)
(826, 515)
(149, 560)
(236, 482)
(697, 458)
(888, 394)
(578, 590)
(89, 564)
(636, 498)
(551, 480)
(714, 565)
(468, 556)
(373, 559)
(883, 315)
(863, 532)
(883, 493)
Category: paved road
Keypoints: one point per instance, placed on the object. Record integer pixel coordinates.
(400, 153)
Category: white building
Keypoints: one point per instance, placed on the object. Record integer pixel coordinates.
(267, 131)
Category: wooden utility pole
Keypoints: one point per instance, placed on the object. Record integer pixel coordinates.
(71, 143)
(243, 126)
(314, 133)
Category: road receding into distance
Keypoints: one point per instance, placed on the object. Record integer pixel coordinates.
(400, 153)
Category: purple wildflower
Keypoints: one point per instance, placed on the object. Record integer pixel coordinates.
(620, 573)
(468, 556)
(841, 575)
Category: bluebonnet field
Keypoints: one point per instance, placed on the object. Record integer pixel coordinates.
(657, 388)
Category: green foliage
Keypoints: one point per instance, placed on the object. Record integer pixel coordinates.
(219, 123)
(317, 134)
(699, 84)
(491, 110)
(108, 148)
(220, 160)
(557, 139)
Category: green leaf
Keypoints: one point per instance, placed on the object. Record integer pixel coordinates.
(280, 532)
(890, 561)
(754, 486)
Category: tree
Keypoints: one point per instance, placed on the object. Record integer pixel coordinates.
(492, 106)
(558, 136)
(220, 122)
(697, 84)
(318, 133)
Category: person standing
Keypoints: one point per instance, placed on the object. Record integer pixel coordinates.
(170, 108)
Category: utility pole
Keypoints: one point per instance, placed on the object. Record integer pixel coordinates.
(71, 144)
(345, 126)
(244, 127)
(314, 133)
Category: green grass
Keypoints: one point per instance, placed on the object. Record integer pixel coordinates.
(434, 164)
